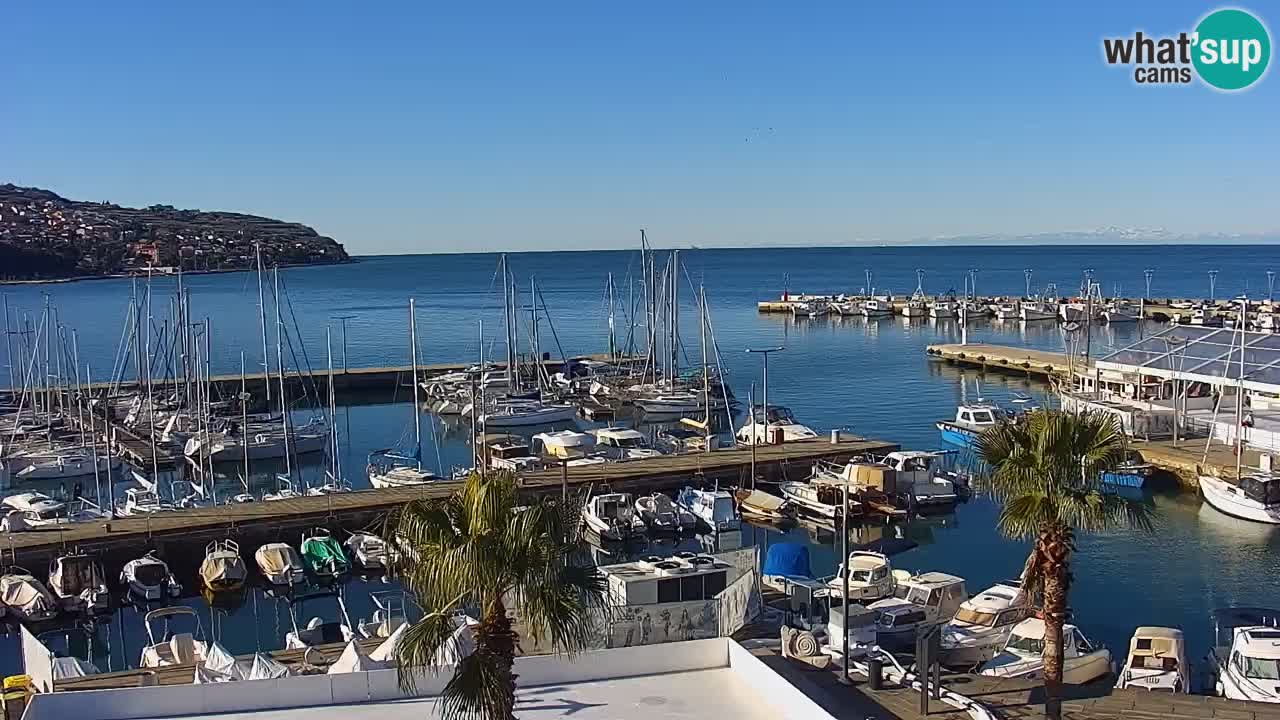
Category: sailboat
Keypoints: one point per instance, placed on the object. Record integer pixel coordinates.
(387, 469)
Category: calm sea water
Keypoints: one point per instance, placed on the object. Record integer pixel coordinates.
(870, 377)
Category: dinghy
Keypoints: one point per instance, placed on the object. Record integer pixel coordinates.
(368, 551)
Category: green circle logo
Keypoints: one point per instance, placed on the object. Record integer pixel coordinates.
(1232, 49)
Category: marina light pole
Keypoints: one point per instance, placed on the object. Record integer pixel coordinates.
(844, 564)
(343, 319)
(1027, 274)
(1271, 287)
(973, 282)
(1147, 275)
(764, 403)
(1213, 286)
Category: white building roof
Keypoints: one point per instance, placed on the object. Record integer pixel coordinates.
(1203, 354)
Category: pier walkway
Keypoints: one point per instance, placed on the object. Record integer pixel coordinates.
(1005, 358)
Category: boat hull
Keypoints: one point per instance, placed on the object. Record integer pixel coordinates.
(1226, 499)
(546, 416)
(1122, 478)
(955, 435)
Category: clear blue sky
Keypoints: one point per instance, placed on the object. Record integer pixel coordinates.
(431, 126)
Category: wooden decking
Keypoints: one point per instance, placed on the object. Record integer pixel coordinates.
(1005, 358)
(358, 509)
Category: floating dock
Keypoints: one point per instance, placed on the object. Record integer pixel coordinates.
(267, 521)
(1006, 358)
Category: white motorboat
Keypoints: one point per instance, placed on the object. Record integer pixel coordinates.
(713, 508)
(621, 443)
(918, 477)
(387, 469)
(982, 625)
(144, 501)
(664, 516)
(1031, 310)
(612, 516)
(1246, 654)
(319, 630)
(1157, 661)
(148, 578)
(935, 596)
(519, 413)
(669, 403)
(1022, 656)
(821, 499)
(870, 577)
(78, 583)
(1120, 311)
(970, 422)
(1253, 497)
(1009, 310)
(223, 569)
(40, 510)
(875, 307)
(942, 309)
(280, 564)
(368, 551)
(61, 465)
(767, 425)
(166, 647)
(1205, 316)
(563, 445)
(26, 598)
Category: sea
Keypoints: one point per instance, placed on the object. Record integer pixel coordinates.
(870, 378)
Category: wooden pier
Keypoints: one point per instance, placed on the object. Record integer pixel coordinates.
(271, 520)
(1022, 361)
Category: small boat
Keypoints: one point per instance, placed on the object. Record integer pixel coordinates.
(1253, 497)
(870, 577)
(518, 413)
(77, 581)
(663, 516)
(621, 443)
(982, 625)
(144, 501)
(821, 499)
(387, 469)
(322, 556)
(1128, 474)
(915, 307)
(1245, 658)
(1206, 317)
(39, 510)
(1032, 310)
(773, 424)
(970, 422)
(785, 562)
(669, 403)
(148, 578)
(933, 596)
(368, 551)
(1157, 661)
(26, 598)
(222, 569)
(319, 630)
(1009, 311)
(875, 307)
(917, 476)
(165, 647)
(60, 465)
(942, 309)
(1120, 311)
(279, 564)
(713, 508)
(564, 445)
(612, 516)
(1023, 655)
(762, 505)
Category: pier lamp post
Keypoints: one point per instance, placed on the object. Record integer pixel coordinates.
(1271, 286)
(764, 408)
(844, 564)
(343, 319)
(1027, 274)
(1147, 275)
(1213, 286)
(973, 282)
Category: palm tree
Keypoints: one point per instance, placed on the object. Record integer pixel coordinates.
(1045, 472)
(480, 550)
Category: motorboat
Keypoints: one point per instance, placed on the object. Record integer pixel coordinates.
(621, 443)
(222, 569)
(260, 441)
(144, 501)
(367, 551)
(26, 598)
(564, 445)
(942, 309)
(1076, 311)
(669, 403)
(39, 510)
(1157, 661)
(713, 508)
(919, 478)
(1031, 310)
(933, 596)
(612, 516)
(1023, 655)
(810, 309)
(387, 469)
(1120, 311)
(322, 556)
(1206, 317)
(148, 578)
(78, 583)
(897, 622)
(1268, 322)
(870, 577)
(60, 465)
(875, 307)
(388, 615)
(319, 630)
(518, 413)
(166, 647)
(1009, 310)
(1253, 497)
(970, 422)
(982, 625)
(662, 515)
(762, 505)
(1245, 658)
(280, 564)
(771, 425)
(821, 499)
(509, 452)
(1133, 474)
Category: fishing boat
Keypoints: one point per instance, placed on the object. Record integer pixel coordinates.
(1245, 658)
(222, 569)
(916, 307)
(78, 583)
(1009, 310)
(320, 629)
(1253, 497)
(322, 556)
(870, 577)
(621, 443)
(982, 625)
(821, 499)
(167, 648)
(876, 308)
(773, 424)
(661, 515)
(713, 508)
(1039, 309)
(148, 578)
(1120, 311)
(26, 598)
(1128, 474)
(1023, 655)
(970, 422)
(762, 505)
(612, 516)
(280, 564)
(942, 309)
(368, 551)
(1157, 662)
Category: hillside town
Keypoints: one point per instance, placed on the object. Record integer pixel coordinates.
(45, 236)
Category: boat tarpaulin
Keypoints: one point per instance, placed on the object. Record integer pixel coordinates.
(217, 659)
(70, 668)
(762, 502)
(22, 593)
(787, 559)
(277, 559)
(353, 659)
(266, 667)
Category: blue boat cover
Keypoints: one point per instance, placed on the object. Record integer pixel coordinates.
(787, 559)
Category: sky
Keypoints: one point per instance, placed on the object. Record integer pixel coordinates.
(414, 127)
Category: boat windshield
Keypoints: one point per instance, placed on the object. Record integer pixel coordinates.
(54, 513)
(1034, 646)
(781, 416)
(150, 574)
(629, 442)
(1261, 668)
(975, 617)
(860, 575)
(1149, 662)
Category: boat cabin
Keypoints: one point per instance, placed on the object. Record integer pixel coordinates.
(897, 616)
(620, 442)
(1027, 639)
(994, 607)
(682, 578)
(1262, 488)
(508, 452)
(1157, 661)
(978, 417)
(773, 415)
(938, 594)
(564, 444)
(37, 508)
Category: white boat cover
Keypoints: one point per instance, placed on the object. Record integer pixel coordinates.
(24, 593)
(205, 676)
(70, 668)
(352, 660)
(459, 645)
(266, 668)
(277, 558)
(762, 501)
(221, 565)
(218, 660)
(386, 651)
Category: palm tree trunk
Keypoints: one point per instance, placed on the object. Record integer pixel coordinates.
(1054, 548)
(496, 638)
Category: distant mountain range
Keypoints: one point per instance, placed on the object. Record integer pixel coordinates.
(1104, 236)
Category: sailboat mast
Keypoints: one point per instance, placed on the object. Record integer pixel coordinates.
(706, 376)
(284, 404)
(8, 341)
(675, 315)
(512, 381)
(613, 343)
(413, 355)
(333, 403)
(262, 321)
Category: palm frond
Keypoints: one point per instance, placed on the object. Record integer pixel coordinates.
(418, 647)
(478, 690)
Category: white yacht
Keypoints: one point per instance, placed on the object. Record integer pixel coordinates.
(870, 577)
(387, 469)
(1023, 655)
(664, 516)
(713, 508)
(1253, 497)
(280, 564)
(1157, 661)
(1246, 654)
(164, 646)
(982, 624)
(78, 583)
(148, 578)
(918, 476)
(612, 516)
(623, 444)
(919, 602)
(767, 424)
(26, 598)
